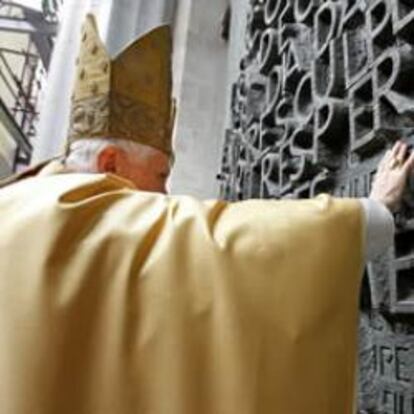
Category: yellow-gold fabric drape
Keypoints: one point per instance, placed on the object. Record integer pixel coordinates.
(116, 301)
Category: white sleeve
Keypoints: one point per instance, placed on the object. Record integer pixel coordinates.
(379, 228)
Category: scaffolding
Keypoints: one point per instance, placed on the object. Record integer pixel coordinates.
(27, 32)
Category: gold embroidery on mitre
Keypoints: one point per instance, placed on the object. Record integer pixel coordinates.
(128, 97)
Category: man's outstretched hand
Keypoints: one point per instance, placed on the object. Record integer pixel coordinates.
(392, 175)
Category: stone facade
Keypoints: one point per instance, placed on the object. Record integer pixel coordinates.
(319, 90)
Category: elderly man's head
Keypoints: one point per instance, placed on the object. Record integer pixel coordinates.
(146, 167)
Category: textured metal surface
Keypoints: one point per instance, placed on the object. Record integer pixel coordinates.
(323, 88)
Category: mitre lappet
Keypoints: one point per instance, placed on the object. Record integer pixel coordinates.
(126, 97)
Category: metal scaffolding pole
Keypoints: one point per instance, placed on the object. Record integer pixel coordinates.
(22, 25)
(25, 50)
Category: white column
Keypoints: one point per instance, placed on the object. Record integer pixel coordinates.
(153, 13)
(200, 86)
(55, 108)
(122, 24)
(132, 18)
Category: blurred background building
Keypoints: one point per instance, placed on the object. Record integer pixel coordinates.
(27, 32)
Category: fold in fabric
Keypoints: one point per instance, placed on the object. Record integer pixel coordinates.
(119, 301)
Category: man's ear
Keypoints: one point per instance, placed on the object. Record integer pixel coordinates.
(108, 160)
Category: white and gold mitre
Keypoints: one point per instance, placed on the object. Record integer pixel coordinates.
(128, 97)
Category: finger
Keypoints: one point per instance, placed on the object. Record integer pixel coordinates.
(402, 152)
(409, 164)
(395, 149)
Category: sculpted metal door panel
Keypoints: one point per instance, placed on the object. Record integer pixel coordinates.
(324, 88)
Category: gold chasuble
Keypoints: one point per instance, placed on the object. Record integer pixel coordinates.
(115, 301)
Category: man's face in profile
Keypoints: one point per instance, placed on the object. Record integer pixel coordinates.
(148, 172)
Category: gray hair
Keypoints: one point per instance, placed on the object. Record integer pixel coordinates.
(83, 153)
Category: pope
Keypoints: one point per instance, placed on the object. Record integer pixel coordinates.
(116, 298)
